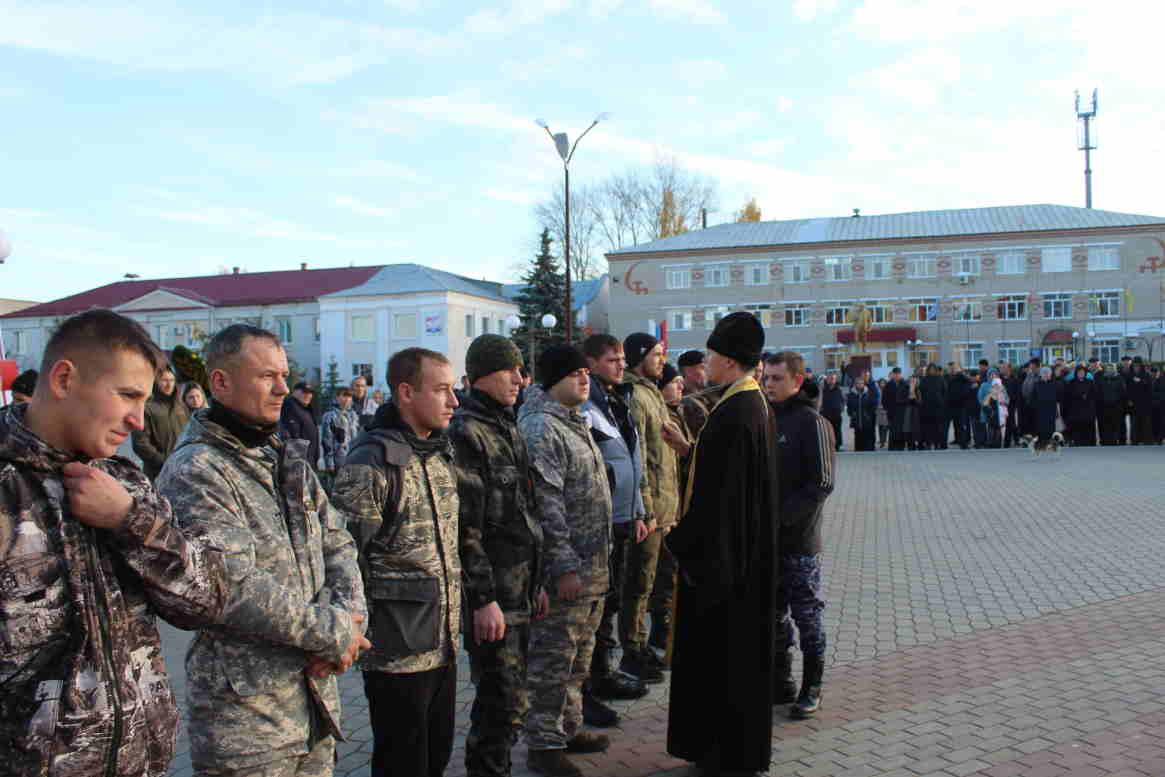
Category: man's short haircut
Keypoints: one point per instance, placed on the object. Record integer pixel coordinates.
(793, 361)
(359, 377)
(227, 343)
(596, 346)
(91, 337)
(343, 391)
(406, 367)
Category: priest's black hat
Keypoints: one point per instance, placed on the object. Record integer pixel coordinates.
(738, 336)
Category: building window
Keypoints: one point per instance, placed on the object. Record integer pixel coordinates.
(283, 329)
(967, 265)
(923, 309)
(968, 354)
(796, 315)
(1011, 263)
(877, 268)
(501, 326)
(1108, 351)
(19, 342)
(1104, 258)
(1014, 352)
(797, 272)
(469, 325)
(404, 326)
(1104, 304)
(839, 269)
(315, 327)
(968, 310)
(485, 325)
(360, 369)
(764, 313)
(923, 355)
(712, 316)
(1056, 259)
(716, 277)
(1012, 307)
(834, 357)
(1058, 305)
(680, 320)
(837, 314)
(362, 329)
(757, 275)
(679, 279)
(920, 266)
(881, 310)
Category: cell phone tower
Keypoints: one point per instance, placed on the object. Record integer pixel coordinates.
(1086, 142)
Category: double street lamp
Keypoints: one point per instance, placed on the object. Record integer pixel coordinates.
(566, 151)
(549, 321)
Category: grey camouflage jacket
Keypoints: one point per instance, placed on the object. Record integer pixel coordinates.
(571, 493)
(294, 587)
(338, 432)
(78, 640)
(400, 494)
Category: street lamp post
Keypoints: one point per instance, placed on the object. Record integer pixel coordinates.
(5, 247)
(566, 151)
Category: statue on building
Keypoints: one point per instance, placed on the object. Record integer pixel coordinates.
(862, 324)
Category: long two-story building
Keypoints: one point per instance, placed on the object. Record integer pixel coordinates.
(1002, 283)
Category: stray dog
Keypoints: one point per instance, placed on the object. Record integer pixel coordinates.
(1038, 446)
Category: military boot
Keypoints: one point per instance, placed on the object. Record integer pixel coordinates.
(597, 714)
(636, 664)
(660, 627)
(606, 683)
(810, 699)
(588, 742)
(784, 686)
(552, 763)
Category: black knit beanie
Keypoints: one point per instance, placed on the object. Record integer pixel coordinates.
(490, 353)
(740, 337)
(637, 346)
(558, 361)
(690, 359)
(670, 373)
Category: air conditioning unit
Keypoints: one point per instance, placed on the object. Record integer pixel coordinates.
(964, 280)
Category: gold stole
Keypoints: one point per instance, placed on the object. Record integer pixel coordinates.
(747, 383)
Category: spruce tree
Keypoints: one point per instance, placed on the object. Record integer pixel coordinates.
(544, 292)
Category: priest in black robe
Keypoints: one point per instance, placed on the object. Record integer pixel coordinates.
(720, 711)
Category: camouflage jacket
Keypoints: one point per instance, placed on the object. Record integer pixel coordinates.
(698, 406)
(500, 537)
(84, 688)
(294, 587)
(400, 494)
(338, 432)
(570, 491)
(661, 488)
(683, 463)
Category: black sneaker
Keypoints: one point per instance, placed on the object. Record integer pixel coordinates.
(597, 714)
(636, 664)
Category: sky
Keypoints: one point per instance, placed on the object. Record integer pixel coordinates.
(171, 139)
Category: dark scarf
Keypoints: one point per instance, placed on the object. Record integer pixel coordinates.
(490, 404)
(249, 434)
(388, 417)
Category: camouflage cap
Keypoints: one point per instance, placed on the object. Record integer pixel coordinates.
(490, 353)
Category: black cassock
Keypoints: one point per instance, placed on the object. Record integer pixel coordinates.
(720, 710)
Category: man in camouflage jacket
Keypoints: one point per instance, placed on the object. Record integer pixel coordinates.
(399, 490)
(645, 360)
(574, 506)
(83, 688)
(258, 697)
(339, 429)
(500, 544)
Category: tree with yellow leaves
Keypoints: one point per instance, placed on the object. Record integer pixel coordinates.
(750, 211)
(671, 220)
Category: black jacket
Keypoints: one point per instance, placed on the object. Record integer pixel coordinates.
(933, 389)
(1111, 390)
(299, 423)
(1140, 385)
(957, 386)
(863, 409)
(806, 446)
(832, 401)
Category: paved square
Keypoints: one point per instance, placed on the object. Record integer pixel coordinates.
(988, 614)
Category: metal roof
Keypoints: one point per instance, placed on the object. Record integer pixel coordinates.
(581, 292)
(419, 279)
(891, 226)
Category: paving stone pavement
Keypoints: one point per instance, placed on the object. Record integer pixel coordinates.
(988, 614)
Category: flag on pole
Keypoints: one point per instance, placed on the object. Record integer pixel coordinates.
(1129, 300)
(661, 335)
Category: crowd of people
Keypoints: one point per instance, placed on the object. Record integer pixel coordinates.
(577, 536)
(1089, 403)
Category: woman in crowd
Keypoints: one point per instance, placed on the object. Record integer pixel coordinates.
(1079, 408)
(1045, 402)
(994, 411)
(882, 418)
(165, 418)
(912, 417)
(933, 408)
(193, 397)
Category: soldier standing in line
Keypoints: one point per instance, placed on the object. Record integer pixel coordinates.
(89, 555)
(399, 488)
(260, 696)
(645, 360)
(501, 541)
(574, 506)
(694, 372)
(339, 429)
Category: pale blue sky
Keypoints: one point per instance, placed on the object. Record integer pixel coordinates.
(178, 138)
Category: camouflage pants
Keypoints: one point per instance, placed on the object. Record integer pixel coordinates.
(560, 658)
(638, 579)
(800, 601)
(498, 670)
(318, 763)
(663, 593)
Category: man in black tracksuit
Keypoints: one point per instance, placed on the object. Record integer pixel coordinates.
(833, 405)
(806, 447)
